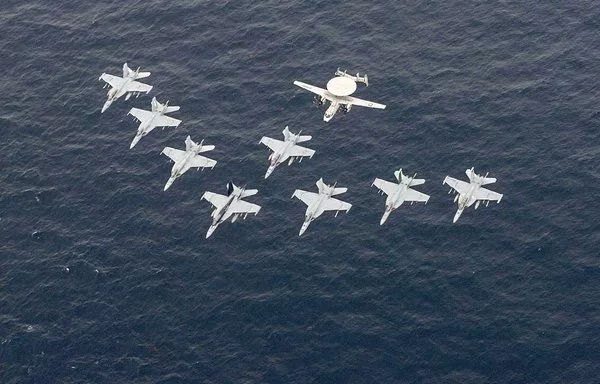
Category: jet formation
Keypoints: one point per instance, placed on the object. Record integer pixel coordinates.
(232, 206)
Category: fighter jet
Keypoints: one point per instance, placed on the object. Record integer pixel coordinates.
(124, 85)
(187, 159)
(469, 193)
(282, 150)
(398, 193)
(231, 205)
(321, 202)
(338, 93)
(358, 78)
(152, 119)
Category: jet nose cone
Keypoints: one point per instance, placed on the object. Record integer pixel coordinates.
(105, 106)
(303, 229)
(383, 219)
(135, 141)
(269, 171)
(210, 231)
(169, 182)
(456, 216)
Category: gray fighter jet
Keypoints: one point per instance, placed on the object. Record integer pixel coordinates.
(124, 85)
(152, 119)
(472, 192)
(320, 202)
(231, 205)
(288, 149)
(398, 193)
(187, 159)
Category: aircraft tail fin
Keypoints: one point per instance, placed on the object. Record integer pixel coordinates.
(189, 143)
(482, 179)
(141, 75)
(399, 175)
(366, 80)
(286, 133)
(230, 188)
(172, 109)
(249, 192)
(414, 182)
(321, 185)
(126, 70)
(155, 104)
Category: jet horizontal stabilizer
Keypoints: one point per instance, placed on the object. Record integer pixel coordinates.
(249, 192)
(337, 191)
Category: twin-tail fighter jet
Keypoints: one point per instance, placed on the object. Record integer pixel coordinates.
(398, 193)
(288, 149)
(338, 93)
(187, 159)
(472, 192)
(320, 202)
(231, 205)
(124, 85)
(152, 119)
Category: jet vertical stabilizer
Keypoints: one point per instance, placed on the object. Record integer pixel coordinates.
(230, 188)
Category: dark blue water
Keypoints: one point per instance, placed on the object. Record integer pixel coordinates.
(105, 278)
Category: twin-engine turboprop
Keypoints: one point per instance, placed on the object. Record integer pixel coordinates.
(230, 206)
(398, 193)
(124, 85)
(152, 119)
(284, 150)
(187, 159)
(472, 192)
(338, 93)
(320, 202)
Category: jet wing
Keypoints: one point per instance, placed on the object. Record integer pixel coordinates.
(273, 144)
(175, 154)
(360, 102)
(136, 86)
(385, 186)
(458, 185)
(486, 194)
(201, 162)
(241, 206)
(141, 115)
(306, 197)
(166, 121)
(412, 195)
(298, 151)
(113, 81)
(215, 199)
(333, 204)
(319, 91)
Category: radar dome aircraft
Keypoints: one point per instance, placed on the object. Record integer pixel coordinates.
(231, 205)
(338, 93)
(124, 85)
(398, 193)
(190, 158)
(288, 149)
(472, 192)
(320, 202)
(152, 119)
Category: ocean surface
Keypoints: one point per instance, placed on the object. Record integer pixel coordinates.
(105, 278)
